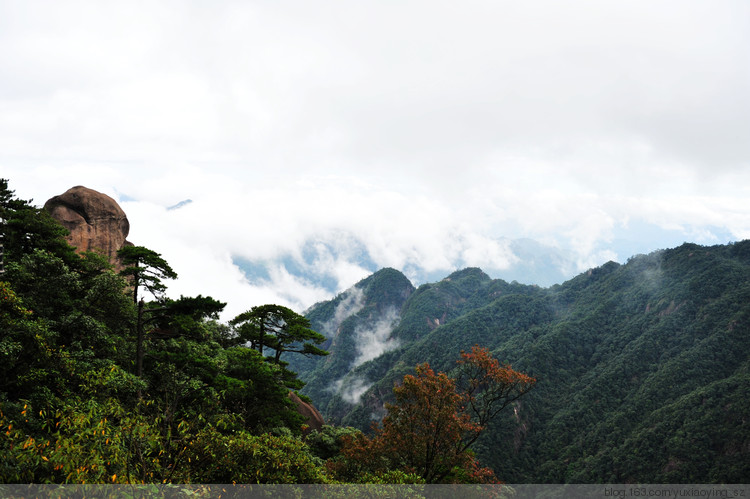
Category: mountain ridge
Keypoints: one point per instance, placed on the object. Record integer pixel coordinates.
(619, 350)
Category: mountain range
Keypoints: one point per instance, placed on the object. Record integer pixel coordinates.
(643, 368)
(318, 262)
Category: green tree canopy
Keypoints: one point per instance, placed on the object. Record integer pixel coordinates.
(146, 268)
(25, 228)
(278, 328)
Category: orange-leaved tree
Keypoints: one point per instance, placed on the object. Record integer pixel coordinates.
(435, 419)
(488, 386)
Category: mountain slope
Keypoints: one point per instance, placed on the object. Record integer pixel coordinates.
(358, 325)
(643, 368)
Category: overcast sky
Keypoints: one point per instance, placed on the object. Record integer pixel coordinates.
(429, 133)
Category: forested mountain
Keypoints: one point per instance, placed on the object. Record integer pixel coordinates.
(640, 373)
(105, 379)
(643, 369)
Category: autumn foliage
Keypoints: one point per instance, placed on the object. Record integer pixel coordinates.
(434, 420)
(488, 386)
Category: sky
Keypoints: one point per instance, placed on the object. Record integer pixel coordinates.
(318, 141)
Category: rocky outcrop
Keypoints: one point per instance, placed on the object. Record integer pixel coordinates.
(95, 221)
(313, 418)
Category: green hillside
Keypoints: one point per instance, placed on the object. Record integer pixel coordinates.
(372, 304)
(643, 368)
(642, 373)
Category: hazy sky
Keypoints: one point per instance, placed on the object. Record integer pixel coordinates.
(426, 132)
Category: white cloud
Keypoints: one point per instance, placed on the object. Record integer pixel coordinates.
(431, 134)
(351, 303)
(375, 340)
(353, 390)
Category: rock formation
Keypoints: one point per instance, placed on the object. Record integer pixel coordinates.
(95, 221)
(313, 418)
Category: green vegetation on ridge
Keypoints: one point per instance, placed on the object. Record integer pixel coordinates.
(642, 367)
(103, 379)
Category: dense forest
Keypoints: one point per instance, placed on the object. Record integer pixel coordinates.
(632, 373)
(104, 379)
(643, 368)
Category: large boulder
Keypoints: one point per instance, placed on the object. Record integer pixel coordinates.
(95, 221)
(313, 418)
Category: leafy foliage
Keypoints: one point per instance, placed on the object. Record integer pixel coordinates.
(146, 268)
(278, 328)
(245, 458)
(97, 385)
(430, 427)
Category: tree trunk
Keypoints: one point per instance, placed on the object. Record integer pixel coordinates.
(139, 345)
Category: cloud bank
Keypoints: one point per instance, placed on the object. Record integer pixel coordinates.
(321, 141)
(375, 340)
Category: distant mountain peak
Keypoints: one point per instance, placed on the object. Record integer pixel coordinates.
(386, 286)
(180, 205)
(474, 272)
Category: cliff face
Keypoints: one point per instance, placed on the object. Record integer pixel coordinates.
(95, 221)
(313, 418)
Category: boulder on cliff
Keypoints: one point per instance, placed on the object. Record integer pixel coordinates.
(95, 221)
(313, 418)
